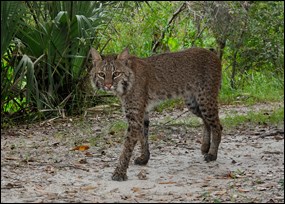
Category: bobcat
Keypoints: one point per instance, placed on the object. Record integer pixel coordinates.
(194, 74)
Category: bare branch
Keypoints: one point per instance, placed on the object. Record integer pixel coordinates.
(179, 10)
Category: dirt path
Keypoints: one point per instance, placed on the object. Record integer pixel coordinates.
(39, 165)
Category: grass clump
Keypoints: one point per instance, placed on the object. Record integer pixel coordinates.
(118, 127)
(169, 104)
(262, 117)
(253, 88)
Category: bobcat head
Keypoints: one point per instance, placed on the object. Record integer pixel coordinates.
(111, 73)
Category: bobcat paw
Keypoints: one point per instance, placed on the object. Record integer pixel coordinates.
(119, 176)
(210, 157)
(141, 161)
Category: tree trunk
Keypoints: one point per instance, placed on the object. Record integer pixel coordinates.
(221, 46)
(234, 70)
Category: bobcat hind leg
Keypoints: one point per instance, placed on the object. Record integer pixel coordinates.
(145, 154)
(213, 130)
(194, 107)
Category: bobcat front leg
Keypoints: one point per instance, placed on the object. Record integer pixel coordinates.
(134, 133)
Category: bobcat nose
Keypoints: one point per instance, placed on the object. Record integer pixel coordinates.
(108, 86)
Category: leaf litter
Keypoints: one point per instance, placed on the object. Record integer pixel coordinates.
(38, 166)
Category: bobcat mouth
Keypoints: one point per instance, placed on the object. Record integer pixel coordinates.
(108, 87)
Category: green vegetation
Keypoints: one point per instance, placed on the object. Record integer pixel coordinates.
(262, 117)
(281, 182)
(169, 105)
(275, 117)
(44, 49)
(187, 122)
(118, 127)
(256, 87)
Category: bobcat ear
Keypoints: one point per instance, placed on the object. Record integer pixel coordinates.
(95, 55)
(124, 55)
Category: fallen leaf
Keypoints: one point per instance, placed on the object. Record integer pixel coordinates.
(142, 175)
(140, 195)
(222, 192)
(11, 158)
(55, 144)
(205, 184)
(233, 161)
(272, 152)
(261, 188)
(209, 178)
(50, 169)
(167, 182)
(240, 176)
(82, 161)
(234, 175)
(231, 175)
(243, 190)
(28, 160)
(278, 138)
(136, 189)
(125, 197)
(10, 185)
(88, 154)
(86, 188)
(81, 148)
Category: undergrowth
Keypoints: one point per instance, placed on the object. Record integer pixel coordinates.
(261, 117)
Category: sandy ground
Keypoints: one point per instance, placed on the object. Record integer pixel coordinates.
(38, 163)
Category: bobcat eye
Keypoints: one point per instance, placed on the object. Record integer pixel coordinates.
(116, 74)
(101, 74)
